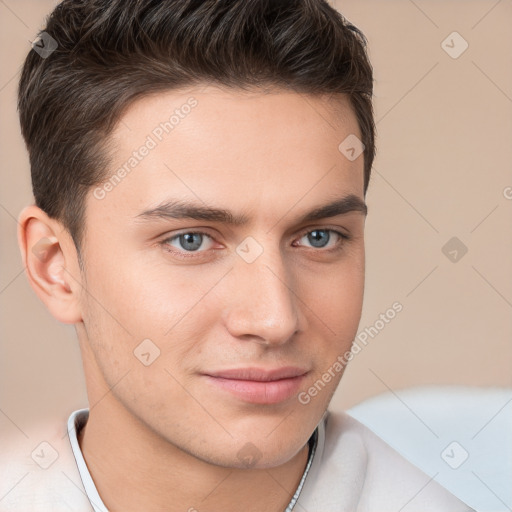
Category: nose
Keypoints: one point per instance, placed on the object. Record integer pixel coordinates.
(263, 305)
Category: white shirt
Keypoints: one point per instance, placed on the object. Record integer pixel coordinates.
(349, 469)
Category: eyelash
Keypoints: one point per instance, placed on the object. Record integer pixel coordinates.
(191, 254)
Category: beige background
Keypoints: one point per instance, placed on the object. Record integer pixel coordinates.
(442, 171)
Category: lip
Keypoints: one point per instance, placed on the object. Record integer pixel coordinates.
(258, 385)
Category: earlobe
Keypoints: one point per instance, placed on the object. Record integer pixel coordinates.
(49, 263)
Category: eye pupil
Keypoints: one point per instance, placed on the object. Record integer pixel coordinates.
(315, 237)
(193, 239)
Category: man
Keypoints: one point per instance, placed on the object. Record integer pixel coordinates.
(199, 171)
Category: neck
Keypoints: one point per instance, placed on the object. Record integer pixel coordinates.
(136, 469)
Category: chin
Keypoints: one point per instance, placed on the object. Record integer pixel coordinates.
(249, 456)
(263, 451)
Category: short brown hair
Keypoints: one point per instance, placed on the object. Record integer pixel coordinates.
(111, 52)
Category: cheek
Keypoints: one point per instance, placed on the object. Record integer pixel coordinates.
(137, 296)
(345, 304)
(139, 330)
(337, 308)
(337, 298)
(132, 301)
(335, 321)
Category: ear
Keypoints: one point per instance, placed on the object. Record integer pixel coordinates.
(51, 263)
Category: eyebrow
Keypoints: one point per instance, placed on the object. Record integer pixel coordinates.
(179, 209)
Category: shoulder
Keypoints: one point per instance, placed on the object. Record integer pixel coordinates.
(38, 471)
(360, 471)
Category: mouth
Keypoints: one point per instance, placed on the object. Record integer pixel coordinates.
(258, 385)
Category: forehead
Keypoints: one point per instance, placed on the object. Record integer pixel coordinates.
(266, 151)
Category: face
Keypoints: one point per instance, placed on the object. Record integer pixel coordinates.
(215, 300)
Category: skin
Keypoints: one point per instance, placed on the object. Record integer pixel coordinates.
(272, 156)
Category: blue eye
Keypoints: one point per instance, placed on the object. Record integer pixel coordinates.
(190, 243)
(319, 238)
